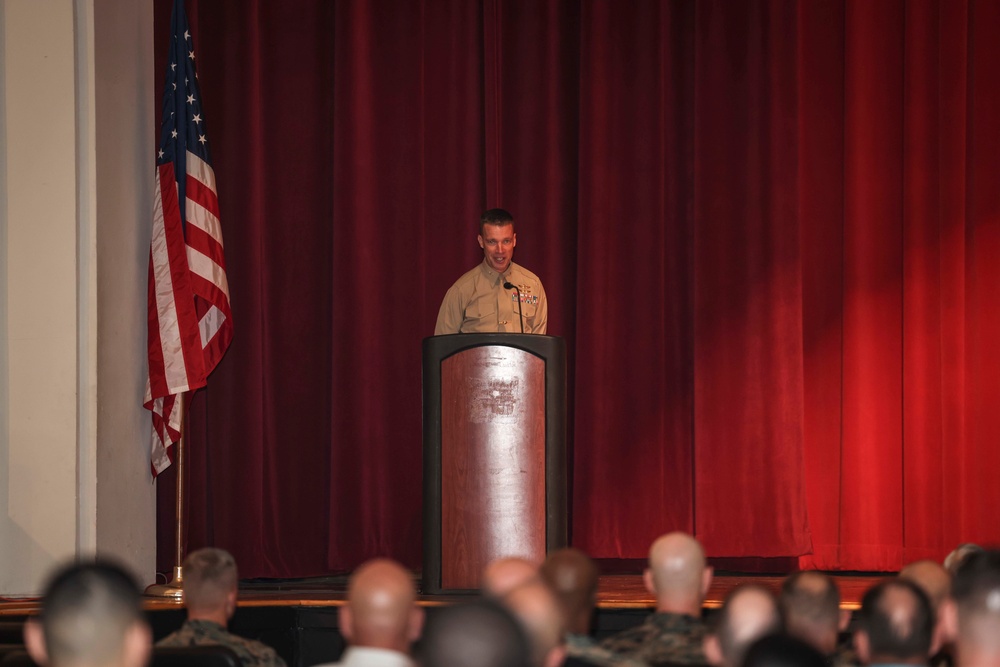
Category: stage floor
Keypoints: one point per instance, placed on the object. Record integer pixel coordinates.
(619, 591)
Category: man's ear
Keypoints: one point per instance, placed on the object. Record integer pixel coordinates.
(948, 621)
(845, 620)
(706, 580)
(138, 645)
(34, 641)
(713, 651)
(346, 622)
(480, 239)
(862, 645)
(556, 656)
(416, 623)
(647, 581)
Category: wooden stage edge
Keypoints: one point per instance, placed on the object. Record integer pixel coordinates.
(619, 591)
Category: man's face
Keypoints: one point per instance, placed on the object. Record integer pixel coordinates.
(497, 242)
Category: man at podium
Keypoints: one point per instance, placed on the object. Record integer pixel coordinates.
(498, 295)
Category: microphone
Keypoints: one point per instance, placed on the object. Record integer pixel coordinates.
(509, 285)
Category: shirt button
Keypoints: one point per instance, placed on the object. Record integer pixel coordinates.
(503, 321)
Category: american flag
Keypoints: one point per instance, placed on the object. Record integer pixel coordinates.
(190, 321)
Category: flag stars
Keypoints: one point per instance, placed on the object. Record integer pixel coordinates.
(196, 118)
(187, 35)
(190, 99)
(202, 139)
(173, 134)
(173, 67)
(161, 154)
(191, 55)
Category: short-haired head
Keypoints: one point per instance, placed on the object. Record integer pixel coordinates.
(810, 604)
(381, 610)
(748, 613)
(781, 650)
(538, 610)
(976, 593)
(482, 633)
(503, 575)
(91, 616)
(677, 574)
(895, 623)
(210, 581)
(572, 575)
(495, 216)
(954, 560)
(931, 577)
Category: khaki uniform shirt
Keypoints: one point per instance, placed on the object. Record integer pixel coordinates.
(662, 638)
(201, 633)
(478, 303)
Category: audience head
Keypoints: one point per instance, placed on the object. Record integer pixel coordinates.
(931, 577)
(91, 616)
(954, 560)
(810, 603)
(210, 585)
(505, 574)
(677, 574)
(477, 634)
(779, 650)
(381, 610)
(895, 624)
(748, 613)
(572, 576)
(538, 611)
(976, 598)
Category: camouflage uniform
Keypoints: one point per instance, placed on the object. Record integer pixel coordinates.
(587, 650)
(202, 633)
(662, 638)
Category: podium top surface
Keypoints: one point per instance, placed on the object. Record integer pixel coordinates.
(448, 344)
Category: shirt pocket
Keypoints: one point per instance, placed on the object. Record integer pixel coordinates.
(482, 310)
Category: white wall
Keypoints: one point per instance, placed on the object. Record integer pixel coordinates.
(76, 136)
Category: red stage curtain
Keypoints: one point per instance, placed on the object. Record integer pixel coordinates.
(765, 228)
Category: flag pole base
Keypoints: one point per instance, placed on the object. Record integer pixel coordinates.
(173, 590)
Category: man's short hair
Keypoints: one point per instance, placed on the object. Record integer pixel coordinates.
(810, 598)
(495, 216)
(87, 610)
(780, 650)
(209, 576)
(976, 592)
(954, 560)
(898, 618)
(478, 634)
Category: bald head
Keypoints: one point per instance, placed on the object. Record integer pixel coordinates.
(977, 596)
(381, 610)
(749, 613)
(572, 576)
(930, 577)
(538, 611)
(505, 574)
(677, 574)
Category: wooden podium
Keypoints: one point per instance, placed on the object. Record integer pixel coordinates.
(494, 453)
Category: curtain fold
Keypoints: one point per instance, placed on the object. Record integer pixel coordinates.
(767, 231)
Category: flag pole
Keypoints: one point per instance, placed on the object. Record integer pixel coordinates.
(175, 588)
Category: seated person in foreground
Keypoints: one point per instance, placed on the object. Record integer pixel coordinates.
(572, 576)
(381, 618)
(210, 592)
(91, 616)
(679, 578)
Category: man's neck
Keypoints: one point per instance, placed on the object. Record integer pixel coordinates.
(691, 607)
(217, 616)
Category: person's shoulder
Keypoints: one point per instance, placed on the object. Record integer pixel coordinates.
(529, 275)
